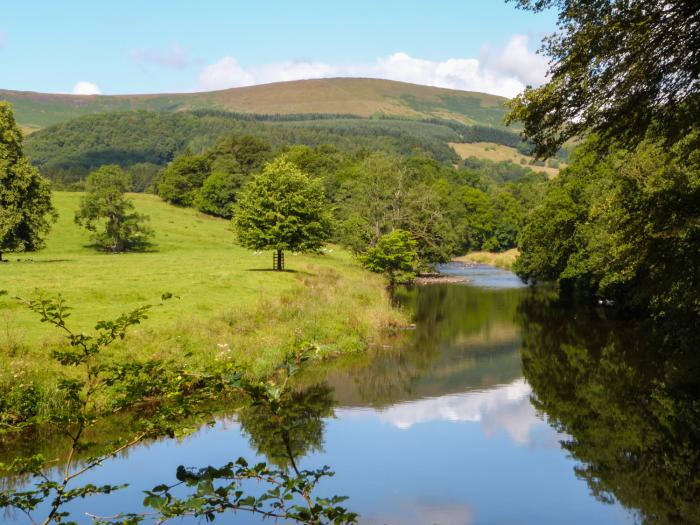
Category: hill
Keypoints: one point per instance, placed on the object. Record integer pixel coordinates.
(66, 152)
(363, 97)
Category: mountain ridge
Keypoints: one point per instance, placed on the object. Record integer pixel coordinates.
(363, 97)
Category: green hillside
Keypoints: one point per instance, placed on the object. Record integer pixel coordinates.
(349, 96)
(225, 295)
(68, 151)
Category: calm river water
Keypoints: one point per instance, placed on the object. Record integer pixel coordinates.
(501, 407)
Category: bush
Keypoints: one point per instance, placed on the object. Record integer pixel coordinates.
(394, 255)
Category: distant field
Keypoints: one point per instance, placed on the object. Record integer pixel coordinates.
(498, 153)
(363, 97)
(227, 295)
(503, 260)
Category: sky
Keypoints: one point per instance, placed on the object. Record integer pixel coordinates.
(156, 46)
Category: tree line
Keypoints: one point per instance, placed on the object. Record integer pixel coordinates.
(622, 222)
(145, 141)
(446, 211)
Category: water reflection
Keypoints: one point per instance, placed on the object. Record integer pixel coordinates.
(505, 407)
(465, 338)
(289, 428)
(502, 406)
(628, 395)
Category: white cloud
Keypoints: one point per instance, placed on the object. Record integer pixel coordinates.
(516, 60)
(502, 72)
(175, 57)
(225, 73)
(506, 407)
(86, 88)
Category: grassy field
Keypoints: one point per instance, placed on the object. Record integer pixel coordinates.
(503, 260)
(228, 297)
(498, 153)
(357, 96)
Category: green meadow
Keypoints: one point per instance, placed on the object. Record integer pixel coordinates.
(229, 305)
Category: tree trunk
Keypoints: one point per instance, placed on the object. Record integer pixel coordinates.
(280, 261)
(1, 257)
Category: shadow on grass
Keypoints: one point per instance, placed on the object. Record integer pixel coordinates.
(101, 249)
(42, 261)
(275, 271)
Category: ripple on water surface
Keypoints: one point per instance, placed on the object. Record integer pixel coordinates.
(482, 275)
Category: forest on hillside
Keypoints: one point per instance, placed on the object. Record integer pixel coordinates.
(67, 152)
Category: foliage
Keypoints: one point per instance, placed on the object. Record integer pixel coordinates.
(218, 194)
(123, 227)
(622, 69)
(282, 209)
(385, 193)
(26, 212)
(394, 255)
(67, 152)
(182, 178)
(284, 496)
(624, 228)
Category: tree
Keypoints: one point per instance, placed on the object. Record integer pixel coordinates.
(394, 255)
(182, 179)
(218, 194)
(477, 219)
(388, 192)
(620, 68)
(123, 227)
(26, 212)
(623, 227)
(245, 154)
(282, 209)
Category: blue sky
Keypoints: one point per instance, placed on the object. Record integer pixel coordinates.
(131, 46)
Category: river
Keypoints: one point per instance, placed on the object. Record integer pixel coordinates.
(501, 406)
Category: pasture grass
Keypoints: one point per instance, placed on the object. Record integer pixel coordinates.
(499, 153)
(229, 305)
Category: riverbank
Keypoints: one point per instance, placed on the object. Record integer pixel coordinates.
(439, 278)
(504, 260)
(229, 305)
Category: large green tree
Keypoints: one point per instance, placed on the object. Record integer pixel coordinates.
(105, 211)
(26, 212)
(282, 209)
(620, 68)
(623, 221)
(623, 227)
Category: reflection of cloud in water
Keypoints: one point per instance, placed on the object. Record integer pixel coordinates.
(507, 407)
(424, 513)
